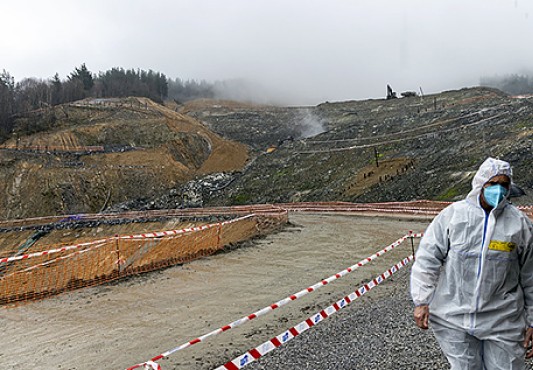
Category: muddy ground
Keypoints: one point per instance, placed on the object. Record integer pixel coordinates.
(118, 325)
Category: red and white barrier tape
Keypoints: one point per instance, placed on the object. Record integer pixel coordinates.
(406, 207)
(160, 234)
(52, 251)
(365, 209)
(282, 302)
(76, 253)
(152, 365)
(140, 236)
(270, 345)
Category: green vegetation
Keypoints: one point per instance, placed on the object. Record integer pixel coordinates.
(524, 124)
(241, 199)
(449, 194)
(308, 185)
(282, 173)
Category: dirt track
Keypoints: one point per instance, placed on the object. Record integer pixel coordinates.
(116, 326)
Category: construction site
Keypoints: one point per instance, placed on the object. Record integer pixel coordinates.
(131, 231)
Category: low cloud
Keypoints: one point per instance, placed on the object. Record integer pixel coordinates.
(287, 52)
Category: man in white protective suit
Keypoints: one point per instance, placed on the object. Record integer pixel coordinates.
(472, 280)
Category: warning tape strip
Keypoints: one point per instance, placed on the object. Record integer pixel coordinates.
(282, 302)
(268, 346)
(376, 204)
(160, 234)
(365, 209)
(71, 255)
(140, 236)
(52, 251)
(420, 205)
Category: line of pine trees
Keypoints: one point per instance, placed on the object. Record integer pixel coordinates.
(33, 93)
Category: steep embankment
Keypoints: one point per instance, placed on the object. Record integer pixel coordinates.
(87, 156)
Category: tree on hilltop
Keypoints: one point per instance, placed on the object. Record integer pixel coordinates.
(118, 82)
(7, 103)
(31, 94)
(84, 75)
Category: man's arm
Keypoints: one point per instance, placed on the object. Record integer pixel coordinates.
(526, 281)
(430, 256)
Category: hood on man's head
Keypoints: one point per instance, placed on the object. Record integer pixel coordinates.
(490, 168)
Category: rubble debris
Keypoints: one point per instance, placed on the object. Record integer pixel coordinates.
(409, 94)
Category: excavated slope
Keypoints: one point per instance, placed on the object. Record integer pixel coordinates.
(87, 156)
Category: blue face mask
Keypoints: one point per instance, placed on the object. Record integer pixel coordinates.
(494, 194)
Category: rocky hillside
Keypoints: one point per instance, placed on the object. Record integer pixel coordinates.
(89, 156)
(374, 150)
(258, 126)
(129, 154)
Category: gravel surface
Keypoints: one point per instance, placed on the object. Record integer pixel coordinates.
(368, 334)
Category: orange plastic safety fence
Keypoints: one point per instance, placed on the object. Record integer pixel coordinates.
(109, 259)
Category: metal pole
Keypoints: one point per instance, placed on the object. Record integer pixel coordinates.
(118, 254)
(412, 242)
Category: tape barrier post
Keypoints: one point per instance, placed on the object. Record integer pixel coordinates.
(412, 236)
(278, 304)
(412, 242)
(117, 248)
(219, 230)
(270, 345)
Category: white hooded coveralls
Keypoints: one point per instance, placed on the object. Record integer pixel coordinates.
(475, 270)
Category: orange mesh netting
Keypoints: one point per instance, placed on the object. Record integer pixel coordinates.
(62, 268)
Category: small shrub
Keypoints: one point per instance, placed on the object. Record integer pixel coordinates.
(241, 199)
(450, 194)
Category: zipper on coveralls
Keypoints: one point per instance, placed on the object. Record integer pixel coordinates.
(473, 315)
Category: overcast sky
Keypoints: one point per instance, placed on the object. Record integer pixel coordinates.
(301, 51)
